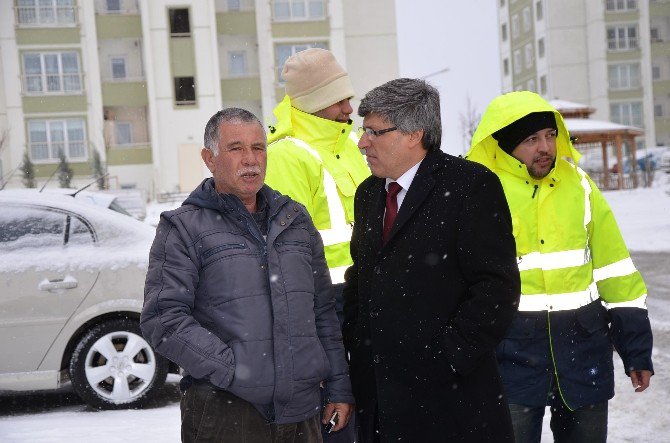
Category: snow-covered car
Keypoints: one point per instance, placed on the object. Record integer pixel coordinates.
(71, 292)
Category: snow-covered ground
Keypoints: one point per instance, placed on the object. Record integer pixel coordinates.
(644, 219)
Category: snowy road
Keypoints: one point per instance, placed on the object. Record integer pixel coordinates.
(63, 418)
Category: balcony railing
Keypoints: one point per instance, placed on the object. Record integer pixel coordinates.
(46, 16)
(53, 84)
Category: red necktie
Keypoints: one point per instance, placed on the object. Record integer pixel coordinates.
(391, 208)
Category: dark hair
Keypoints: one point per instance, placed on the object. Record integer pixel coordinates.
(411, 105)
(225, 116)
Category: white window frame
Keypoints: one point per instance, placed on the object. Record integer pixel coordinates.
(298, 10)
(622, 37)
(113, 11)
(235, 57)
(539, 10)
(529, 55)
(526, 18)
(620, 5)
(515, 26)
(625, 113)
(234, 5)
(655, 72)
(540, 48)
(124, 59)
(52, 83)
(52, 146)
(129, 127)
(503, 32)
(506, 67)
(46, 13)
(293, 49)
(622, 76)
(659, 112)
(517, 62)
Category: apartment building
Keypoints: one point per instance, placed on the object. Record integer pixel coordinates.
(136, 80)
(611, 55)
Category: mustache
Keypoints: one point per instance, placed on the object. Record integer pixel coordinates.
(249, 170)
(542, 157)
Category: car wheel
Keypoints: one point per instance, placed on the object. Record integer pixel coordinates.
(113, 367)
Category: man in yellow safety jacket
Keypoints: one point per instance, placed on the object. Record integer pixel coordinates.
(580, 292)
(313, 157)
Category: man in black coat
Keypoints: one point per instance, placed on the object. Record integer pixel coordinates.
(431, 291)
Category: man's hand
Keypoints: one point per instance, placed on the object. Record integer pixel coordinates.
(343, 413)
(640, 379)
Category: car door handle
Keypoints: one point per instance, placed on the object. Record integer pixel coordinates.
(58, 284)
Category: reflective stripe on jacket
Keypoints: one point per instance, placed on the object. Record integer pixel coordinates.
(573, 261)
(317, 162)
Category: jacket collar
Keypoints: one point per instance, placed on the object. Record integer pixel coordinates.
(319, 133)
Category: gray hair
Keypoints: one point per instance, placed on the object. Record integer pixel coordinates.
(411, 105)
(227, 115)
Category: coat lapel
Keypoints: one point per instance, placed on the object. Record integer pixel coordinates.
(375, 211)
(418, 191)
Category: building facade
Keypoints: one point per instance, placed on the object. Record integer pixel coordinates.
(135, 81)
(612, 55)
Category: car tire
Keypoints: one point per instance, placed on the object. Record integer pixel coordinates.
(114, 367)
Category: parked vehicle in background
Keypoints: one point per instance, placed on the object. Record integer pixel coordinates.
(72, 278)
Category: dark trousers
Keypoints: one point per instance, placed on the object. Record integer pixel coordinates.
(587, 424)
(212, 415)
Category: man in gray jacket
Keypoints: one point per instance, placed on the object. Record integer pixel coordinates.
(238, 294)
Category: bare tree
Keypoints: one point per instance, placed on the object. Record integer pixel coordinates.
(469, 121)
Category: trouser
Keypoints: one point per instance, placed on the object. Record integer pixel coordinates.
(587, 424)
(212, 415)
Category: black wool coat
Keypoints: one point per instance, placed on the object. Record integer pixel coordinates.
(424, 313)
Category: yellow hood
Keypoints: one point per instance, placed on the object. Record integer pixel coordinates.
(507, 109)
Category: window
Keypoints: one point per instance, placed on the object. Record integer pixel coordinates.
(233, 5)
(622, 37)
(295, 10)
(620, 5)
(503, 32)
(515, 26)
(529, 55)
(118, 67)
(658, 111)
(237, 63)
(113, 6)
(538, 10)
(540, 48)
(184, 90)
(526, 19)
(531, 85)
(627, 113)
(51, 73)
(655, 35)
(124, 133)
(624, 76)
(282, 52)
(517, 61)
(506, 66)
(179, 24)
(655, 72)
(502, 3)
(543, 84)
(45, 12)
(38, 227)
(48, 138)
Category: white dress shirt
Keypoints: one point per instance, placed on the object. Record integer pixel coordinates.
(405, 181)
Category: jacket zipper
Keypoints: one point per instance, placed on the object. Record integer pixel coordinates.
(534, 191)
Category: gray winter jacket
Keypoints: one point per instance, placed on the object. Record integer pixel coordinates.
(254, 317)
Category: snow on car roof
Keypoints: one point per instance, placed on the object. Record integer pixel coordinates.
(122, 240)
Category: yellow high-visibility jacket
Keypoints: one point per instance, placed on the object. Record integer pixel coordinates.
(576, 273)
(317, 162)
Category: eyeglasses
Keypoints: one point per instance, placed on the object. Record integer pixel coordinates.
(371, 133)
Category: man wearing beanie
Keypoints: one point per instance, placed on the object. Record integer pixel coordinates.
(581, 294)
(313, 157)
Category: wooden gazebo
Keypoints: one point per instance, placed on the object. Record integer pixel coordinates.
(585, 131)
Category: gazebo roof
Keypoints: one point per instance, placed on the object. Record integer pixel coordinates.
(564, 105)
(582, 126)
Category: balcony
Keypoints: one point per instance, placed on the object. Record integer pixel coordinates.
(49, 16)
